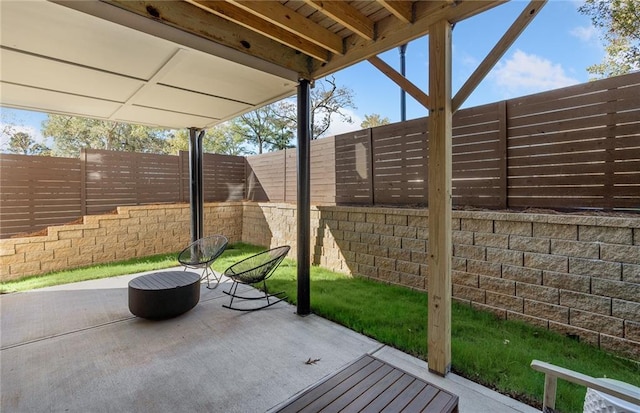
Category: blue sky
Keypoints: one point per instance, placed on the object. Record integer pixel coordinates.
(554, 51)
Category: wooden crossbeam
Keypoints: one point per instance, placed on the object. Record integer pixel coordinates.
(287, 19)
(403, 10)
(347, 15)
(220, 30)
(498, 51)
(391, 32)
(262, 27)
(401, 81)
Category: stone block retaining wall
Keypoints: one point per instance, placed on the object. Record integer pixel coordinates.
(577, 275)
(574, 274)
(135, 231)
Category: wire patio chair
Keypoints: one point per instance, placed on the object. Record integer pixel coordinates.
(255, 270)
(201, 254)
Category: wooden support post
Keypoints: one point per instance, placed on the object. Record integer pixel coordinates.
(550, 387)
(440, 188)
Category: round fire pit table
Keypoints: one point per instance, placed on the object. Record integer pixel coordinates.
(164, 294)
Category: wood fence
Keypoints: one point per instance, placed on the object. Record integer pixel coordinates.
(571, 148)
(40, 191)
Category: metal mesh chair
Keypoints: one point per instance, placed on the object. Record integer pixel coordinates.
(201, 254)
(254, 270)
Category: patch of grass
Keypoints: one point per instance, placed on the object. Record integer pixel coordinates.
(497, 353)
(130, 266)
(493, 352)
(485, 349)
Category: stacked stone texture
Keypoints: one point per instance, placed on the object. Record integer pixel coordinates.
(136, 231)
(577, 275)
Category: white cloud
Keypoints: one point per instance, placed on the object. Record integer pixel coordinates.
(524, 73)
(585, 33)
(339, 126)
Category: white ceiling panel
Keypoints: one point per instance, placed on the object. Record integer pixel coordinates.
(216, 76)
(150, 116)
(60, 60)
(55, 102)
(55, 31)
(178, 100)
(29, 70)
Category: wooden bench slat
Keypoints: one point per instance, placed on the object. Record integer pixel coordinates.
(391, 393)
(371, 385)
(373, 393)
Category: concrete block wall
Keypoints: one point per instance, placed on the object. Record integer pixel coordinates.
(577, 275)
(135, 231)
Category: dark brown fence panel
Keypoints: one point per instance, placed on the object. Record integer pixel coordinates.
(110, 180)
(571, 148)
(266, 177)
(291, 175)
(577, 147)
(125, 178)
(157, 178)
(400, 163)
(185, 178)
(223, 177)
(479, 167)
(38, 191)
(323, 176)
(354, 183)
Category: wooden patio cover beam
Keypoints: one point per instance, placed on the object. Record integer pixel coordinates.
(203, 23)
(440, 190)
(261, 27)
(401, 81)
(403, 10)
(440, 124)
(347, 15)
(281, 16)
(392, 32)
(497, 52)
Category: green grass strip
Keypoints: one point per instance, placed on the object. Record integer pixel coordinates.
(493, 352)
(130, 266)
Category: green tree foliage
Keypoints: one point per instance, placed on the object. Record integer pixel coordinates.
(22, 143)
(268, 128)
(373, 120)
(71, 134)
(273, 127)
(619, 21)
(219, 139)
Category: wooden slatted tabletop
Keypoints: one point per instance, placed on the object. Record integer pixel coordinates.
(371, 385)
(164, 294)
(163, 280)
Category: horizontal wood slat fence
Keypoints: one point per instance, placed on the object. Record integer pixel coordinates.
(571, 148)
(40, 191)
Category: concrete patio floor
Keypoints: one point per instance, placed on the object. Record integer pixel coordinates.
(77, 348)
